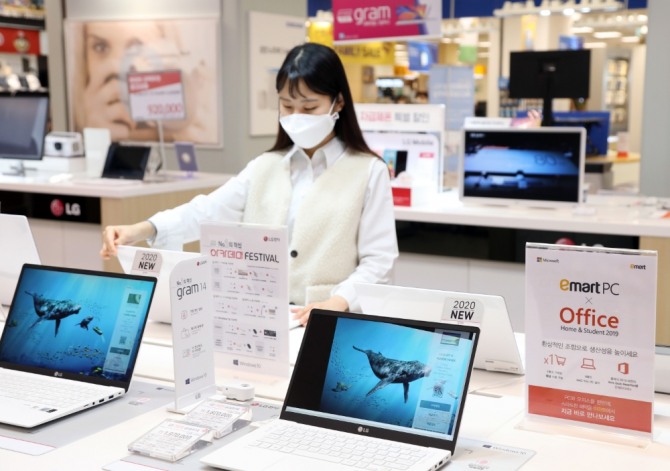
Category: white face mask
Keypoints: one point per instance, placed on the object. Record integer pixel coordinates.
(309, 130)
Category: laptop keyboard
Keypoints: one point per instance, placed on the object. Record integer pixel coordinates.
(46, 391)
(355, 451)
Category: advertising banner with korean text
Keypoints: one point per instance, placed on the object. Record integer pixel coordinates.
(356, 21)
(250, 295)
(192, 331)
(590, 335)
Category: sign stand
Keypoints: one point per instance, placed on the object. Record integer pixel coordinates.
(590, 342)
(157, 96)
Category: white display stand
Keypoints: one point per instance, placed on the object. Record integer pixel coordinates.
(192, 332)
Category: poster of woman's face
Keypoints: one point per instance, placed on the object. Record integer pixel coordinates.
(101, 54)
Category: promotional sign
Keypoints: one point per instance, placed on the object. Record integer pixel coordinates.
(386, 19)
(156, 96)
(192, 331)
(250, 295)
(590, 327)
(410, 138)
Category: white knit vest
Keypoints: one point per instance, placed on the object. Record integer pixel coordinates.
(324, 250)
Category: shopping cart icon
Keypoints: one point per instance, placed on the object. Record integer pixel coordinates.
(560, 361)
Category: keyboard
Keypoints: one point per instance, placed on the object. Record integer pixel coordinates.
(346, 449)
(47, 391)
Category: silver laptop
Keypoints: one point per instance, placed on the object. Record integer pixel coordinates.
(17, 247)
(498, 349)
(158, 263)
(365, 391)
(70, 341)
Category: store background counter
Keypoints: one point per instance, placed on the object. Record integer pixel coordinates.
(67, 213)
(480, 248)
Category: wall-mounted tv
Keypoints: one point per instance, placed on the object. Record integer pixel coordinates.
(541, 167)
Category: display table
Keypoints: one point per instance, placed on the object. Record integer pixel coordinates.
(67, 212)
(494, 412)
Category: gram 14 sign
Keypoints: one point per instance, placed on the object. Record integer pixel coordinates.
(156, 96)
(590, 335)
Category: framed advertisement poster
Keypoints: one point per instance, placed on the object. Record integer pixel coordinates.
(101, 54)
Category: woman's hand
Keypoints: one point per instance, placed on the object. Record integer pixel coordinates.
(114, 236)
(334, 303)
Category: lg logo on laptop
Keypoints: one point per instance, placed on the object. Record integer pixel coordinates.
(58, 374)
(362, 429)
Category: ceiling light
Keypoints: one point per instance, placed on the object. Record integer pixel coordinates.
(630, 39)
(581, 29)
(595, 45)
(545, 12)
(569, 11)
(607, 34)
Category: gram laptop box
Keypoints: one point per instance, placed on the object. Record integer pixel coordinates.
(78, 330)
(162, 265)
(391, 383)
(498, 349)
(17, 247)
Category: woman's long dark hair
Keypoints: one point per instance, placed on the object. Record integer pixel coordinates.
(321, 70)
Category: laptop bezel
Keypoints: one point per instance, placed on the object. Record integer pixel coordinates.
(65, 374)
(365, 429)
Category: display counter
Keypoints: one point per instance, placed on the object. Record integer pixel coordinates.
(494, 412)
(67, 213)
(480, 248)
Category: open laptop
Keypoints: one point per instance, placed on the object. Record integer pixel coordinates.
(70, 341)
(394, 387)
(498, 349)
(158, 263)
(17, 247)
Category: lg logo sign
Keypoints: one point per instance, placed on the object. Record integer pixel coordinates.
(58, 208)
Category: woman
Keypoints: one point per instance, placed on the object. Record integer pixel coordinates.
(320, 179)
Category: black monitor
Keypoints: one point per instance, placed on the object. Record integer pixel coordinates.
(23, 125)
(549, 75)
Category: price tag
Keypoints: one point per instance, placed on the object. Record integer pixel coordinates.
(171, 440)
(156, 96)
(217, 415)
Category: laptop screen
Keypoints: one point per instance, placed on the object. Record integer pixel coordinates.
(391, 378)
(76, 323)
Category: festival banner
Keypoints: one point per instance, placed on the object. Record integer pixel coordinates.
(250, 295)
(590, 335)
(386, 20)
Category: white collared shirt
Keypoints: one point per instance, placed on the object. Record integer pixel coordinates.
(377, 243)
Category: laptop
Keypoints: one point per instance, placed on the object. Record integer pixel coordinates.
(126, 161)
(72, 330)
(374, 382)
(17, 247)
(158, 263)
(498, 349)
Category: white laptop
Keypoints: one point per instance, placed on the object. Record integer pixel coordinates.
(158, 263)
(498, 349)
(394, 387)
(70, 341)
(17, 247)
